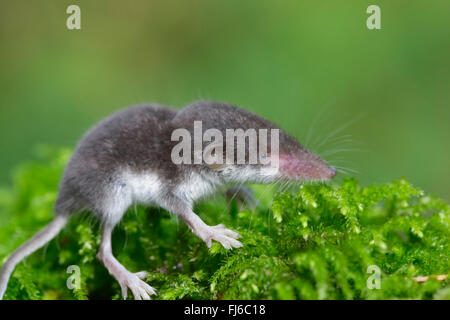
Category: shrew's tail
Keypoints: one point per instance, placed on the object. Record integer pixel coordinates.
(35, 243)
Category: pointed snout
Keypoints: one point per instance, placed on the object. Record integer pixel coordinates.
(331, 172)
(305, 167)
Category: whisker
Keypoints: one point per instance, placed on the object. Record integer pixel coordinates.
(334, 151)
(315, 120)
(342, 169)
(333, 133)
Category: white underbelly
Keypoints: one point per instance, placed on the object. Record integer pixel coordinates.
(144, 188)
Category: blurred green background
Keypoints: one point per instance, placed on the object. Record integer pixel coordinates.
(310, 66)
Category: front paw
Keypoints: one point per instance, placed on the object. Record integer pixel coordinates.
(226, 237)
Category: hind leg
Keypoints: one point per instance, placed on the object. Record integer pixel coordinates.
(244, 197)
(126, 279)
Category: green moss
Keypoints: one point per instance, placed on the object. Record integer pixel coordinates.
(313, 243)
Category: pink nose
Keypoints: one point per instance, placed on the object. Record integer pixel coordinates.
(333, 172)
(305, 167)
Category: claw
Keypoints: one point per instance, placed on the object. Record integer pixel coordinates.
(140, 289)
(142, 275)
(226, 237)
(124, 292)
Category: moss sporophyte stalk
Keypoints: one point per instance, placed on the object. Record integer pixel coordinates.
(316, 241)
